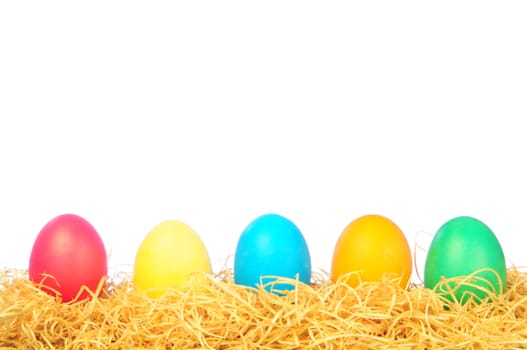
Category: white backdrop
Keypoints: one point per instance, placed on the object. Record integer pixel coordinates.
(131, 113)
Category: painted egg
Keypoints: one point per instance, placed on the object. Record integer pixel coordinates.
(68, 258)
(171, 255)
(371, 247)
(271, 246)
(461, 247)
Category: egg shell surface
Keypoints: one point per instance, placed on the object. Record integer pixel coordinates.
(370, 247)
(171, 255)
(71, 252)
(271, 246)
(462, 246)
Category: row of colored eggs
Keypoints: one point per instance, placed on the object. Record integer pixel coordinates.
(69, 260)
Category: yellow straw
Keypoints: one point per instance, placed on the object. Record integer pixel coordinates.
(218, 314)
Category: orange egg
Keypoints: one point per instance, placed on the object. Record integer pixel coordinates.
(370, 247)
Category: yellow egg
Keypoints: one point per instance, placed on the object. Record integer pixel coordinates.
(169, 256)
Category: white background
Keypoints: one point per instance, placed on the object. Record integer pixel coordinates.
(130, 113)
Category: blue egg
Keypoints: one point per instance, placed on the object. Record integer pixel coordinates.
(271, 245)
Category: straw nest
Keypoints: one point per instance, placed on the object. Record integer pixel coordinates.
(221, 315)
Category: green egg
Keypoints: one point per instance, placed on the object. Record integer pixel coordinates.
(462, 247)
